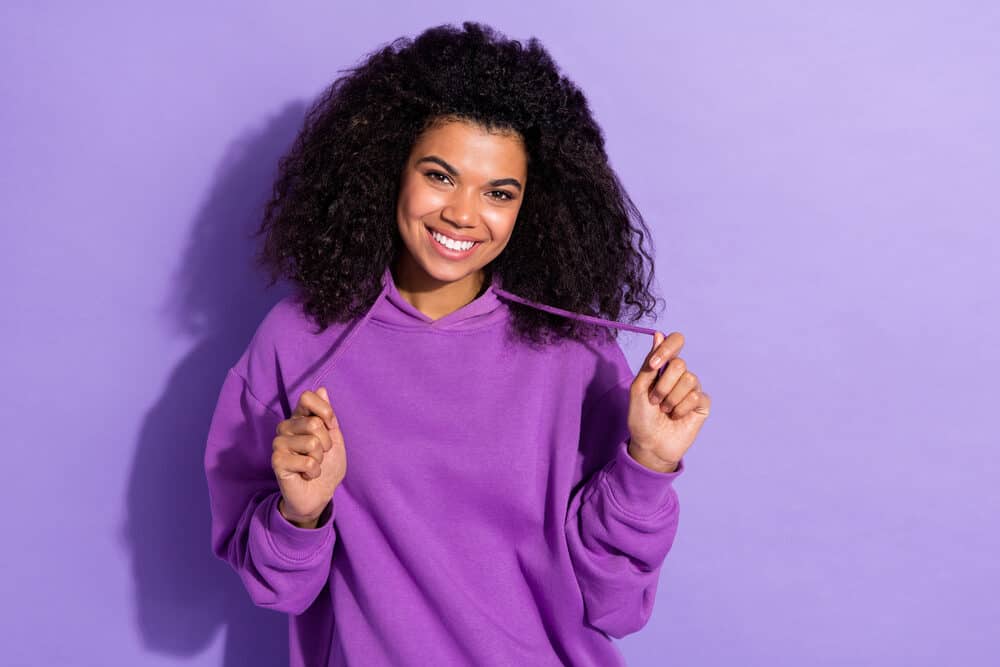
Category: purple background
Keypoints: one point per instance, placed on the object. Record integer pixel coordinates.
(822, 179)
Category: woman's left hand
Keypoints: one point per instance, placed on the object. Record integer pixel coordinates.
(665, 412)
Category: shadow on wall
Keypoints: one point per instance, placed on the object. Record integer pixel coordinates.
(185, 595)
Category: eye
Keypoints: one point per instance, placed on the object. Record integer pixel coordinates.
(432, 174)
(506, 195)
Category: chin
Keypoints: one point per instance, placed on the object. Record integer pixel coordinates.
(449, 274)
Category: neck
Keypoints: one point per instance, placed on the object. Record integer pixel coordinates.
(436, 298)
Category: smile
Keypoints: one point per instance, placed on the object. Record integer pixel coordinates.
(450, 248)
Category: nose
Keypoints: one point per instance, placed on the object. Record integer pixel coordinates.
(461, 208)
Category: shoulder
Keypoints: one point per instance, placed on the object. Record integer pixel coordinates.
(281, 326)
(284, 345)
(603, 363)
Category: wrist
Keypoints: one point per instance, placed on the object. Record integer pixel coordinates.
(298, 522)
(648, 459)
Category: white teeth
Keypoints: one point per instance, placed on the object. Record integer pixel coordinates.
(449, 243)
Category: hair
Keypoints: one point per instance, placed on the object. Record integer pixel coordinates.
(330, 223)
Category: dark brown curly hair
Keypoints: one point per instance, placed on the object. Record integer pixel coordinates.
(330, 224)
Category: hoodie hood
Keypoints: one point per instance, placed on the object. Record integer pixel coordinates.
(479, 311)
(393, 310)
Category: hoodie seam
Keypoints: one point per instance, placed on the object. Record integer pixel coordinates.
(623, 380)
(295, 560)
(668, 505)
(246, 385)
(442, 332)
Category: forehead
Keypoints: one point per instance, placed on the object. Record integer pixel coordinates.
(471, 147)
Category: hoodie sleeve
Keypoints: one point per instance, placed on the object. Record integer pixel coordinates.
(621, 522)
(283, 567)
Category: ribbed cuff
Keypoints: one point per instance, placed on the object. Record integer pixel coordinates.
(638, 489)
(295, 543)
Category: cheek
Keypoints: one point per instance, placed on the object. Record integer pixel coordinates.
(502, 225)
(417, 202)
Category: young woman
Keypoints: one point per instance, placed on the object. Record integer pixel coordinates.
(436, 451)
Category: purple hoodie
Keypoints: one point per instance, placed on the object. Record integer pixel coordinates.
(490, 514)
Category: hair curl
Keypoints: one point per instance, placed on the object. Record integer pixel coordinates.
(330, 224)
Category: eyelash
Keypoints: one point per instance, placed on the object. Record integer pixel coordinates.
(506, 195)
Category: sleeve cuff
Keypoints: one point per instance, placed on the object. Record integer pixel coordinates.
(637, 489)
(294, 543)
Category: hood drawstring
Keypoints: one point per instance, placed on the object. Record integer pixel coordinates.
(321, 373)
(571, 314)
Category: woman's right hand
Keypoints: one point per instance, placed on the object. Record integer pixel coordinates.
(309, 460)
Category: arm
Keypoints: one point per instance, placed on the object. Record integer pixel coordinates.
(621, 522)
(282, 566)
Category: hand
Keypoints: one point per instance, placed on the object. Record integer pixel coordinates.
(309, 459)
(665, 412)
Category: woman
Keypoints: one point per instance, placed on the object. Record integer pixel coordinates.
(435, 452)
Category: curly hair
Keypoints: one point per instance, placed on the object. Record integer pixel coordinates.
(330, 225)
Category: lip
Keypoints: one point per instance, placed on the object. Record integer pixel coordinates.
(448, 253)
(454, 237)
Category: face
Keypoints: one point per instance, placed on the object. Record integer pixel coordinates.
(463, 183)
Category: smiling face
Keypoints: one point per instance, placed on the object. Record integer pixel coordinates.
(464, 183)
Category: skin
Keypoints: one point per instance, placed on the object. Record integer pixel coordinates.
(665, 414)
(464, 204)
(309, 456)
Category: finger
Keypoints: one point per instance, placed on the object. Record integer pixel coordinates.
(335, 425)
(688, 403)
(287, 463)
(310, 425)
(664, 349)
(704, 404)
(685, 384)
(311, 403)
(666, 382)
(307, 445)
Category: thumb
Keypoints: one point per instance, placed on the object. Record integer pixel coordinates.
(322, 393)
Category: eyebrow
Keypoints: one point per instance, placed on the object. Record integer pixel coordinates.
(454, 172)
